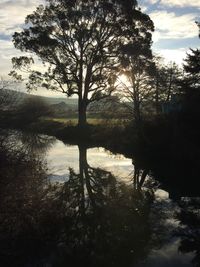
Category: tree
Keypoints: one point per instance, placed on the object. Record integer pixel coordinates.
(165, 82)
(9, 95)
(192, 69)
(78, 41)
(191, 80)
(136, 64)
(32, 108)
(136, 60)
(190, 84)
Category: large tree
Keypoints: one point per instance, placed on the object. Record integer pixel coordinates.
(191, 66)
(136, 59)
(166, 77)
(78, 41)
(192, 69)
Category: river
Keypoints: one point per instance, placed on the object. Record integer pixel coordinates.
(69, 205)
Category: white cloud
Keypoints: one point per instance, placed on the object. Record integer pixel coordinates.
(170, 26)
(173, 55)
(13, 13)
(147, 2)
(12, 16)
(173, 3)
(7, 51)
(152, 1)
(143, 8)
(180, 3)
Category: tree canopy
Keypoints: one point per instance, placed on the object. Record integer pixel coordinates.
(79, 41)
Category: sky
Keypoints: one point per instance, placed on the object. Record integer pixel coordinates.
(174, 20)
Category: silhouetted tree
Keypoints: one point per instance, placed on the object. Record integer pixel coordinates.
(78, 41)
(189, 85)
(31, 109)
(192, 70)
(9, 96)
(166, 77)
(136, 62)
(191, 79)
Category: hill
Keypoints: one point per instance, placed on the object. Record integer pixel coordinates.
(16, 98)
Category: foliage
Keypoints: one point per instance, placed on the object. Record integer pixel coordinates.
(166, 80)
(32, 109)
(190, 85)
(79, 41)
(136, 61)
(9, 96)
(192, 70)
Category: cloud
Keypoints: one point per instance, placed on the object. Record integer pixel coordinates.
(173, 3)
(13, 13)
(170, 26)
(180, 3)
(12, 16)
(152, 2)
(173, 55)
(6, 53)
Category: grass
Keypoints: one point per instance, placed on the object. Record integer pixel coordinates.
(74, 121)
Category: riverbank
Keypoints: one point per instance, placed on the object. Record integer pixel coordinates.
(168, 146)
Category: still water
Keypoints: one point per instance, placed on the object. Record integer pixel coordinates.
(63, 205)
(61, 157)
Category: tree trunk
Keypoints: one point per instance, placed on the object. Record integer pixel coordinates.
(137, 114)
(82, 160)
(157, 96)
(84, 173)
(82, 118)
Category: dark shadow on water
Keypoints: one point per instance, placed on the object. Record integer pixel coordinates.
(92, 219)
(189, 231)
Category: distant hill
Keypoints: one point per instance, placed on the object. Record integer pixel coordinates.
(71, 102)
(21, 96)
(61, 106)
(62, 109)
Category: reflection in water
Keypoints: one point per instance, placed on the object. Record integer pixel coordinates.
(62, 157)
(189, 216)
(107, 224)
(36, 144)
(22, 199)
(91, 219)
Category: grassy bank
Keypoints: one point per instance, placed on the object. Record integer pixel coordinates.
(165, 145)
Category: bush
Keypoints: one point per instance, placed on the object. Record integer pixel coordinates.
(32, 109)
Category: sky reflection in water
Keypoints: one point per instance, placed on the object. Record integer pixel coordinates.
(61, 157)
(94, 215)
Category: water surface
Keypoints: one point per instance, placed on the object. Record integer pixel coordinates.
(64, 205)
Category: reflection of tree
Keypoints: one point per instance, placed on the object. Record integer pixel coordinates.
(107, 221)
(92, 219)
(22, 194)
(15, 145)
(190, 232)
(35, 143)
(139, 177)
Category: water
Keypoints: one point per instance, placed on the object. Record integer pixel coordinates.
(61, 157)
(64, 205)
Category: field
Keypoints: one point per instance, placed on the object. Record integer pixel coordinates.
(92, 121)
